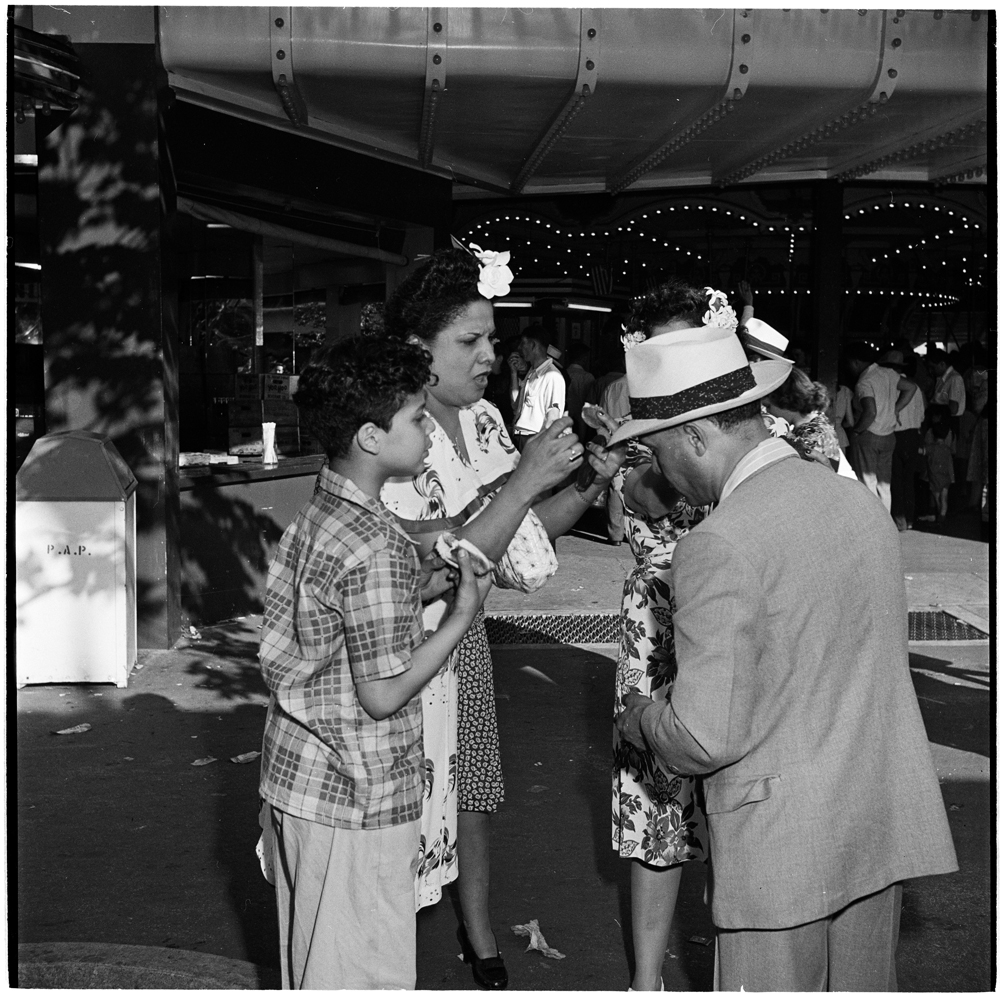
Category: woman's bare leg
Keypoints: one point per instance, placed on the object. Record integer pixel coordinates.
(654, 895)
(474, 880)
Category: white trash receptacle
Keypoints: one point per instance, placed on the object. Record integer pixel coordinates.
(75, 594)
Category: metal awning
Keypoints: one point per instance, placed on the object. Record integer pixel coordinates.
(547, 101)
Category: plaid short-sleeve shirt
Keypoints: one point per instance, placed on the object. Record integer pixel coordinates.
(342, 607)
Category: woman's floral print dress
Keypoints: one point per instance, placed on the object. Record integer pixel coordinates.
(656, 815)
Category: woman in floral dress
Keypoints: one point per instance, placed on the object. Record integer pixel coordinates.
(658, 821)
(657, 816)
(476, 486)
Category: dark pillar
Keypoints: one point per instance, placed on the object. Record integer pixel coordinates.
(109, 305)
(827, 268)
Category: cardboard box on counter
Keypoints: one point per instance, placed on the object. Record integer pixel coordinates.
(246, 441)
(274, 387)
(287, 439)
(281, 412)
(244, 413)
(206, 459)
(247, 386)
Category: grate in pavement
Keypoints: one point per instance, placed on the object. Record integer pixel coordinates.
(583, 629)
(551, 629)
(939, 626)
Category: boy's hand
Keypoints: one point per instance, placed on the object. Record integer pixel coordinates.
(436, 578)
(472, 589)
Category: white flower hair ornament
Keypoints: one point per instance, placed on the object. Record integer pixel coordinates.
(720, 313)
(631, 338)
(495, 276)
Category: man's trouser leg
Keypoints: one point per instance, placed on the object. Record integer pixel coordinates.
(874, 464)
(853, 950)
(904, 471)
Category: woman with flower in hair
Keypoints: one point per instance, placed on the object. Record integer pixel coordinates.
(478, 487)
(802, 403)
(658, 821)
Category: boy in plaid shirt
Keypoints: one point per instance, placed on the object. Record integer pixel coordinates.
(344, 657)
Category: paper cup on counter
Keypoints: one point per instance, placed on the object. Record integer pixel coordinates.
(269, 455)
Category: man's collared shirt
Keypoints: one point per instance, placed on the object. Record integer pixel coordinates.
(771, 450)
(882, 385)
(342, 607)
(950, 387)
(912, 416)
(543, 390)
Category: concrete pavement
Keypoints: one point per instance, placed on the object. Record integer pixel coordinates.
(124, 843)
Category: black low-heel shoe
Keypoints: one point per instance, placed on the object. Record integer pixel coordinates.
(489, 973)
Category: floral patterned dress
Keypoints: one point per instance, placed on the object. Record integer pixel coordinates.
(656, 815)
(461, 743)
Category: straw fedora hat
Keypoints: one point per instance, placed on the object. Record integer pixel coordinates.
(678, 377)
(764, 340)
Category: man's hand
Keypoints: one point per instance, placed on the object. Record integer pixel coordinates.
(436, 578)
(628, 722)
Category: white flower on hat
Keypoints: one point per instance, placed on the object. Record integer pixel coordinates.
(495, 276)
(719, 314)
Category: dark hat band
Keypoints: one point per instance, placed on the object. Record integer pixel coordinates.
(729, 386)
(750, 342)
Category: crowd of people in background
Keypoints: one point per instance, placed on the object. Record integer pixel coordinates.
(914, 428)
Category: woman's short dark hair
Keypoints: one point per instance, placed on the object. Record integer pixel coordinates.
(670, 300)
(354, 381)
(431, 296)
(800, 394)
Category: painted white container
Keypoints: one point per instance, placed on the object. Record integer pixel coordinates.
(75, 590)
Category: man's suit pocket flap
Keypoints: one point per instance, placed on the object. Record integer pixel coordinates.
(732, 794)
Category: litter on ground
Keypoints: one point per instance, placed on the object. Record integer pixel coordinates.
(537, 940)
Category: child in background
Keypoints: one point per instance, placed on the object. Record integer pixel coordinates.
(344, 657)
(939, 447)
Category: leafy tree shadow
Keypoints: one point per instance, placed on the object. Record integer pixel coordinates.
(226, 659)
(107, 331)
(227, 546)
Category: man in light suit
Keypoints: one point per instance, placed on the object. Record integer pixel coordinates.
(793, 695)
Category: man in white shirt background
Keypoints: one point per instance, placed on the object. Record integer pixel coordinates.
(881, 394)
(543, 390)
(905, 455)
(949, 388)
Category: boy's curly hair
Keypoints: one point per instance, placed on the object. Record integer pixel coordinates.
(673, 299)
(351, 382)
(429, 298)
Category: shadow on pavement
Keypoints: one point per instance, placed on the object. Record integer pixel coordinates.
(122, 840)
(226, 660)
(955, 716)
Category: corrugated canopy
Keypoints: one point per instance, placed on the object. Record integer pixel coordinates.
(604, 99)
